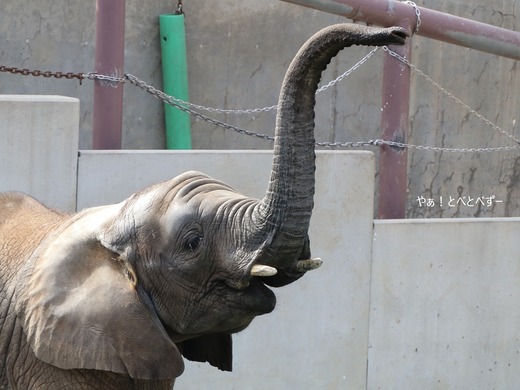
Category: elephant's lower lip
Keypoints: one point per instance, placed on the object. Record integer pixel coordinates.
(257, 297)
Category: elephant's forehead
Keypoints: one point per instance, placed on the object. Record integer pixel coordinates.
(202, 187)
(189, 194)
(217, 201)
(207, 210)
(177, 189)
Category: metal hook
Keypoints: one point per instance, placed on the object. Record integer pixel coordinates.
(179, 8)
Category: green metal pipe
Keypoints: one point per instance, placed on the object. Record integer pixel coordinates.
(175, 79)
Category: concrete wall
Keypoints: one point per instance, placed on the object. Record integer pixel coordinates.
(317, 336)
(410, 304)
(39, 147)
(238, 52)
(443, 305)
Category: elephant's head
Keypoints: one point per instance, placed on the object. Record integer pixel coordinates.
(183, 264)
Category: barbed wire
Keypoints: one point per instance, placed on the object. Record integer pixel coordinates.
(191, 108)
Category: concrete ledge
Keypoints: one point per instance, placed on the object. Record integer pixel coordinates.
(39, 148)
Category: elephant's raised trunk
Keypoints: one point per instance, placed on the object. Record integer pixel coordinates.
(283, 215)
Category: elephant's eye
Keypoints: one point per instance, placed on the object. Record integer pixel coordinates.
(193, 242)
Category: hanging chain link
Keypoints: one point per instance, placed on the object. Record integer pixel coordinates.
(443, 149)
(184, 106)
(179, 8)
(451, 96)
(190, 107)
(348, 72)
(418, 20)
(272, 108)
(358, 144)
(105, 80)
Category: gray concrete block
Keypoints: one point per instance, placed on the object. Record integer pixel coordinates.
(39, 148)
(317, 336)
(443, 304)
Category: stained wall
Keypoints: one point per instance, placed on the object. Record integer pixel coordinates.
(238, 52)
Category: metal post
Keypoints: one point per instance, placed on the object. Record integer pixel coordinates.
(109, 58)
(393, 165)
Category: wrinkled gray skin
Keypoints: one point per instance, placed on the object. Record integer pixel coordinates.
(113, 296)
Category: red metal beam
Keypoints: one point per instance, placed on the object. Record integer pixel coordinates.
(436, 25)
(109, 60)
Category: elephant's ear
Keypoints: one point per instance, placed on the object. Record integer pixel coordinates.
(79, 307)
(216, 349)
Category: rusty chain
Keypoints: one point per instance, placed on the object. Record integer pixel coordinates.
(188, 107)
(43, 73)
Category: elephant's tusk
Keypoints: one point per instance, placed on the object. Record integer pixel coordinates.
(263, 270)
(308, 265)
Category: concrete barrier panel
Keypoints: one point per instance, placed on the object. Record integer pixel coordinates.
(110, 176)
(444, 304)
(317, 336)
(39, 148)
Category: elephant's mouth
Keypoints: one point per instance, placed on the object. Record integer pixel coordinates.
(280, 277)
(252, 292)
(256, 297)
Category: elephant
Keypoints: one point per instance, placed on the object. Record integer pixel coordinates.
(115, 296)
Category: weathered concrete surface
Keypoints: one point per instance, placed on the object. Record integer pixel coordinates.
(443, 304)
(428, 303)
(317, 336)
(238, 52)
(486, 83)
(39, 147)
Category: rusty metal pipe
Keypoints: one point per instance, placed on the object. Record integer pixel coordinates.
(436, 25)
(395, 106)
(109, 60)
